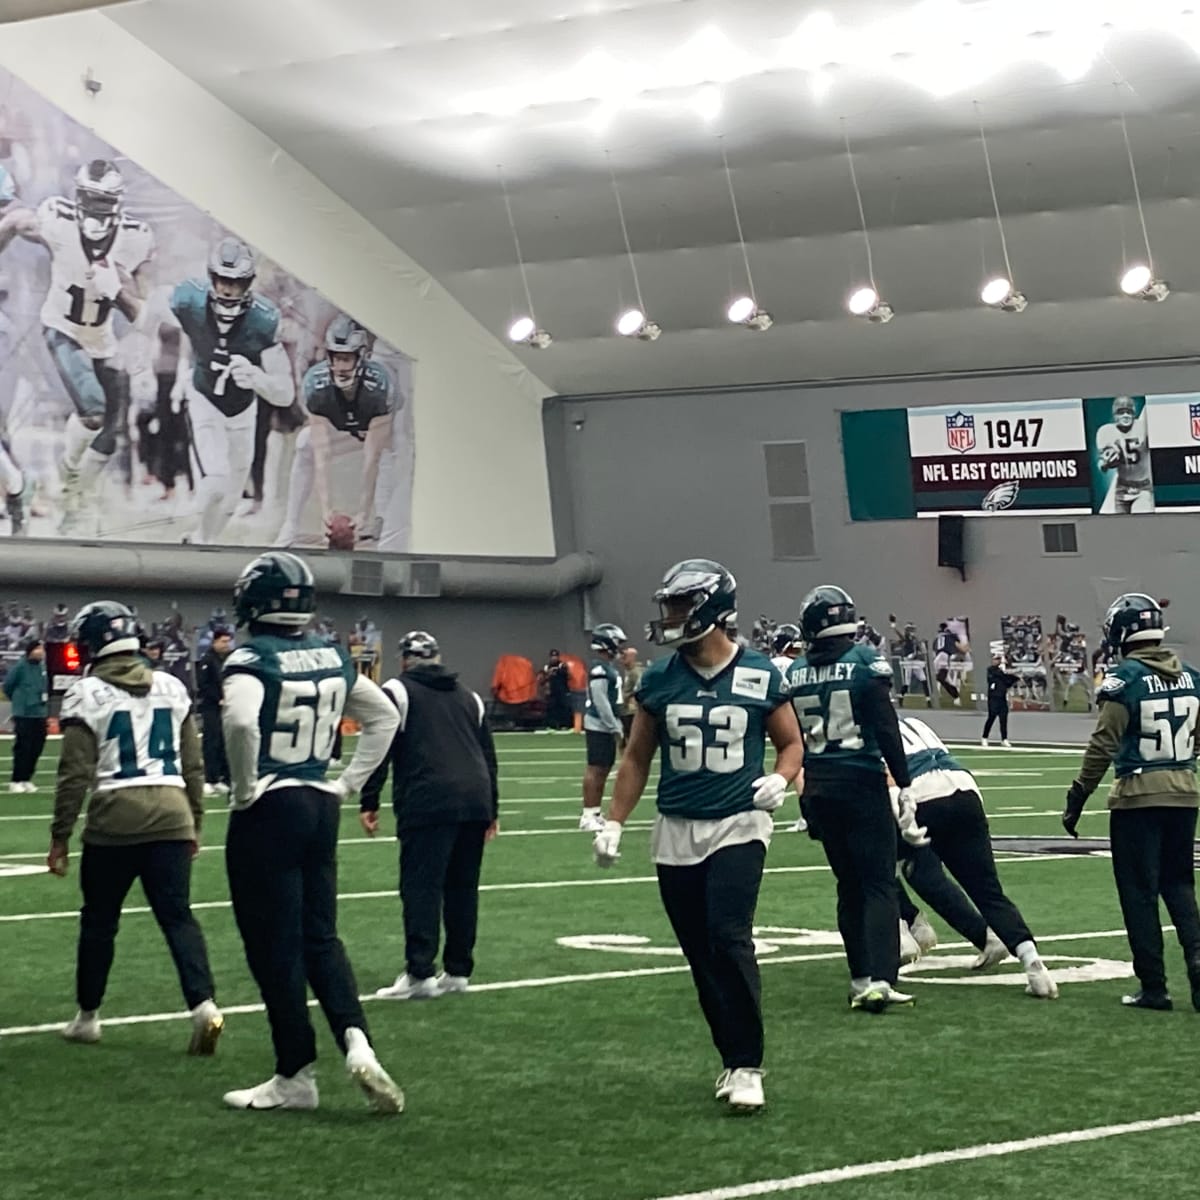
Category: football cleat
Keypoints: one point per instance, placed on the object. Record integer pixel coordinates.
(407, 988)
(449, 985)
(1006, 744)
(994, 951)
(380, 1089)
(16, 789)
(910, 950)
(298, 1092)
(1040, 982)
(745, 1090)
(923, 934)
(800, 826)
(879, 997)
(1159, 1001)
(721, 1087)
(591, 820)
(84, 1028)
(984, 743)
(207, 1025)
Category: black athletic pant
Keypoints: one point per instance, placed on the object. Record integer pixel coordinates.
(1152, 856)
(996, 714)
(711, 908)
(923, 871)
(943, 677)
(212, 742)
(30, 737)
(858, 833)
(281, 854)
(106, 873)
(439, 884)
(959, 836)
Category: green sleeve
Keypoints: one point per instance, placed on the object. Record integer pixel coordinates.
(76, 773)
(1105, 741)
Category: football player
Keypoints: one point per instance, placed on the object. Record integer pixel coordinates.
(130, 740)
(285, 692)
(945, 646)
(786, 644)
(707, 709)
(351, 402)
(1125, 449)
(1146, 729)
(842, 695)
(98, 255)
(601, 721)
(230, 358)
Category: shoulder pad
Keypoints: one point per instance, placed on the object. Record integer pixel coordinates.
(599, 671)
(880, 667)
(244, 656)
(1112, 685)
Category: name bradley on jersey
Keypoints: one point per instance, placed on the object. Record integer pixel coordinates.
(833, 673)
(299, 661)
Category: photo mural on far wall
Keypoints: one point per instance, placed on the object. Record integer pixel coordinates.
(162, 381)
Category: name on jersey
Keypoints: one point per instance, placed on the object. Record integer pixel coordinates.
(1156, 683)
(838, 672)
(963, 470)
(296, 662)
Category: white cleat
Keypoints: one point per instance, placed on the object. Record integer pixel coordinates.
(29, 786)
(746, 1090)
(923, 934)
(878, 997)
(984, 743)
(221, 789)
(84, 1028)
(1040, 983)
(207, 1026)
(1006, 744)
(721, 1088)
(994, 951)
(591, 820)
(209, 790)
(380, 1089)
(16, 789)
(800, 826)
(452, 985)
(910, 950)
(407, 988)
(279, 1092)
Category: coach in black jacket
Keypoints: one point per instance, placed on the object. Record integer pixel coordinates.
(445, 793)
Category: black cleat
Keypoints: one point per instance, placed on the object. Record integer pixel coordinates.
(1159, 1001)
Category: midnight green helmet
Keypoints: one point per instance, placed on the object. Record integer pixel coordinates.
(827, 611)
(275, 589)
(609, 638)
(712, 591)
(1133, 619)
(786, 638)
(102, 628)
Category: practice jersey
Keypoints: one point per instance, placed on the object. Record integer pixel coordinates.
(828, 702)
(1133, 465)
(782, 664)
(252, 333)
(137, 737)
(305, 684)
(1162, 717)
(602, 670)
(375, 396)
(711, 732)
(83, 293)
(935, 771)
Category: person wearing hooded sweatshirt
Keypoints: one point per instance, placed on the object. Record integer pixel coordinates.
(1146, 729)
(25, 686)
(445, 795)
(130, 740)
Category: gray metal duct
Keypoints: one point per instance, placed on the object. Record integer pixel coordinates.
(520, 581)
(28, 10)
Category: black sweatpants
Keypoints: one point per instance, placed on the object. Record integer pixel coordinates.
(858, 834)
(439, 883)
(711, 908)
(959, 836)
(923, 870)
(1152, 857)
(994, 715)
(28, 740)
(212, 743)
(106, 873)
(281, 855)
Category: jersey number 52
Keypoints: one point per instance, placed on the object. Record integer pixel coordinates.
(307, 718)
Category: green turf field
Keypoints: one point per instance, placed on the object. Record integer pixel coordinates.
(573, 1071)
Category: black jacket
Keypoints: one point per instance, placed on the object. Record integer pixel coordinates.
(208, 680)
(999, 681)
(443, 760)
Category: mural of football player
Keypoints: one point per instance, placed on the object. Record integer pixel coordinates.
(231, 356)
(351, 401)
(1124, 449)
(97, 258)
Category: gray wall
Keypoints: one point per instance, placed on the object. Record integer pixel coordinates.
(656, 478)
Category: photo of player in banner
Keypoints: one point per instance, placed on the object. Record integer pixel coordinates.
(1122, 474)
(163, 381)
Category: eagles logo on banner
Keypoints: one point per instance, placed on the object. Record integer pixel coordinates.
(960, 432)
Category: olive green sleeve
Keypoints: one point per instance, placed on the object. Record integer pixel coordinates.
(76, 774)
(1102, 748)
(191, 761)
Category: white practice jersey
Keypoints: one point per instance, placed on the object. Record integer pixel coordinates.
(934, 772)
(137, 736)
(83, 293)
(1133, 466)
(782, 664)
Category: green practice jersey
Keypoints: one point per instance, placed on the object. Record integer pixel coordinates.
(305, 682)
(1162, 717)
(828, 701)
(602, 670)
(711, 732)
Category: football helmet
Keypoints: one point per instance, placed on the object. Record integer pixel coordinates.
(609, 638)
(99, 197)
(102, 628)
(346, 336)
(787, 637)
(232, 263)
(419, 644)
(1132, 620)
(276, 588)
(711, 593)
(1124, 412)
(827, 611)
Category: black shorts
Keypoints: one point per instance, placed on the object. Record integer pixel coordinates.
(601, 748)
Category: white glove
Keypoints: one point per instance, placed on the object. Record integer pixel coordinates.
(904, 808)
(769, 791)
(247, 375)
(606, 846)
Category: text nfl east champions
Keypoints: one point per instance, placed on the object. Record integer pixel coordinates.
(998, 472)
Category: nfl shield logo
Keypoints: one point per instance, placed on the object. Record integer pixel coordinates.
(1194, 413)
(960, 432)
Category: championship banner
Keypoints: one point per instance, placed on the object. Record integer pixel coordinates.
(988, 458)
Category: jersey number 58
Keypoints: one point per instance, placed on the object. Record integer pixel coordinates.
(307, 718)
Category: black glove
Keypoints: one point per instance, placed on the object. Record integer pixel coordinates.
(1076, 799)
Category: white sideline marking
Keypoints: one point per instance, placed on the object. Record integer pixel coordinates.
(936, 1158)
